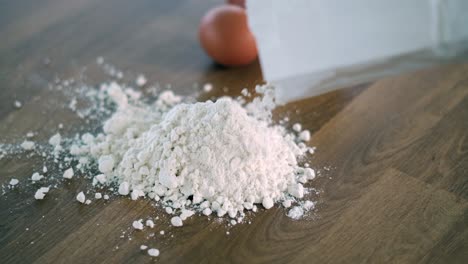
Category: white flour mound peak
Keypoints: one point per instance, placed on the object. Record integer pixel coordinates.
(218, 155)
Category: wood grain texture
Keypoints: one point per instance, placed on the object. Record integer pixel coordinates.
(393, 155)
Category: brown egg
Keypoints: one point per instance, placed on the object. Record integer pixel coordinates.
(225, 36)
(240, 3)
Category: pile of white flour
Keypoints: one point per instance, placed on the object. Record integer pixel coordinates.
(218, 158)
(213, 157)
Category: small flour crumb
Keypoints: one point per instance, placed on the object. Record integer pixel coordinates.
(138, 224)
(136, 193)
(267, 202)
(41, 192)
(207, 87)
(308, 205)
(88, 202)
(186, 214)
(98, 196)
(161, 232)
(55, 140)
(287, 203)
(153, 252)
(296, 212)
(27, 145)
(297, 127)
(207, 211)
(296, 190)
(101, 178)
(99, 60)
(106, 197)
(141, 80)
(36, 176)
(124, 188)
(106, 163)
(309, 173)
(149, 223)
(17, 104)
(176, 221)
(30, 135)
(14, 182)
(304, 135)
(44, 169)
(143, 247)
(81, 197)
(68, 174)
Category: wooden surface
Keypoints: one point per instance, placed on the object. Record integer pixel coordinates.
(395, 187)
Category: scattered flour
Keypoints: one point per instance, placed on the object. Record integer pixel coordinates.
(216, 158)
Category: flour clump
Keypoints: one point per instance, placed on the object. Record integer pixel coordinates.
(221, 157)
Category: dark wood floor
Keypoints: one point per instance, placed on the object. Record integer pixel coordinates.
(396, 151)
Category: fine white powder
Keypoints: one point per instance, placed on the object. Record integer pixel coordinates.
(222, 155)
(219, 158)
